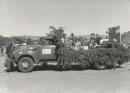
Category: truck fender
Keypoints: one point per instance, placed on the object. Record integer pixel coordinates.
(34, 58)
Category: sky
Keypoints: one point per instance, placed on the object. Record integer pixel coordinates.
(82, 17)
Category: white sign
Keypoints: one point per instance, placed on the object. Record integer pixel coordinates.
(85, 47)
(46, 51)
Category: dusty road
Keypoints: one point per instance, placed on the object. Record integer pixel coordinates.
(87, 81)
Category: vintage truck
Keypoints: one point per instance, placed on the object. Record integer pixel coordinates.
(25, 57)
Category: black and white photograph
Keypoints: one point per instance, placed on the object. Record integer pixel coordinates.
(64, 46)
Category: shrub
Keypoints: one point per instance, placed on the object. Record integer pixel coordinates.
(99, 58)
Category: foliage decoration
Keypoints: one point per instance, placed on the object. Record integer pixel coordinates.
(99, 58)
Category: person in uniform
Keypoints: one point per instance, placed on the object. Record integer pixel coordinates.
(2, 50)
(77, 44)
(9, 49)
(92, 40)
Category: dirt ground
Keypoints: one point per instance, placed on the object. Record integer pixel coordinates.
(72, 81)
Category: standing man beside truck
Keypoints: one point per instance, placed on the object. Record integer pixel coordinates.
(9, 51)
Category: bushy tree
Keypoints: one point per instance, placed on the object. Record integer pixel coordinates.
(18, 40)
(114, 33)
(4, 40)
(58, 32)
(29, 41)
(125, 38)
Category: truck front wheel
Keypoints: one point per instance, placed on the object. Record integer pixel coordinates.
(25, 64)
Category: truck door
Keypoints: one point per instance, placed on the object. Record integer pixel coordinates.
(48, 52)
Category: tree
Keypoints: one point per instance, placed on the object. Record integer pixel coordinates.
(114, 33)
(1, 40)
(29, 41)
(41, 40)
(4, 40)
(58, 32)
(125, 38)
(18, 40)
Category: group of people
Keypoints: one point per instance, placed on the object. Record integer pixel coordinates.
(76, 43)
(94, 40)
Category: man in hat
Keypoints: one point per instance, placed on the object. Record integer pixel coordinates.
(9, 49)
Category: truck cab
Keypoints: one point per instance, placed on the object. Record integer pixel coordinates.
(26, 56)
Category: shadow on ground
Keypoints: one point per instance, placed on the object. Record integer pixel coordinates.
(54, 68)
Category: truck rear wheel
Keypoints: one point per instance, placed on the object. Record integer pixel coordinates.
(25, 64)
(99, 66)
